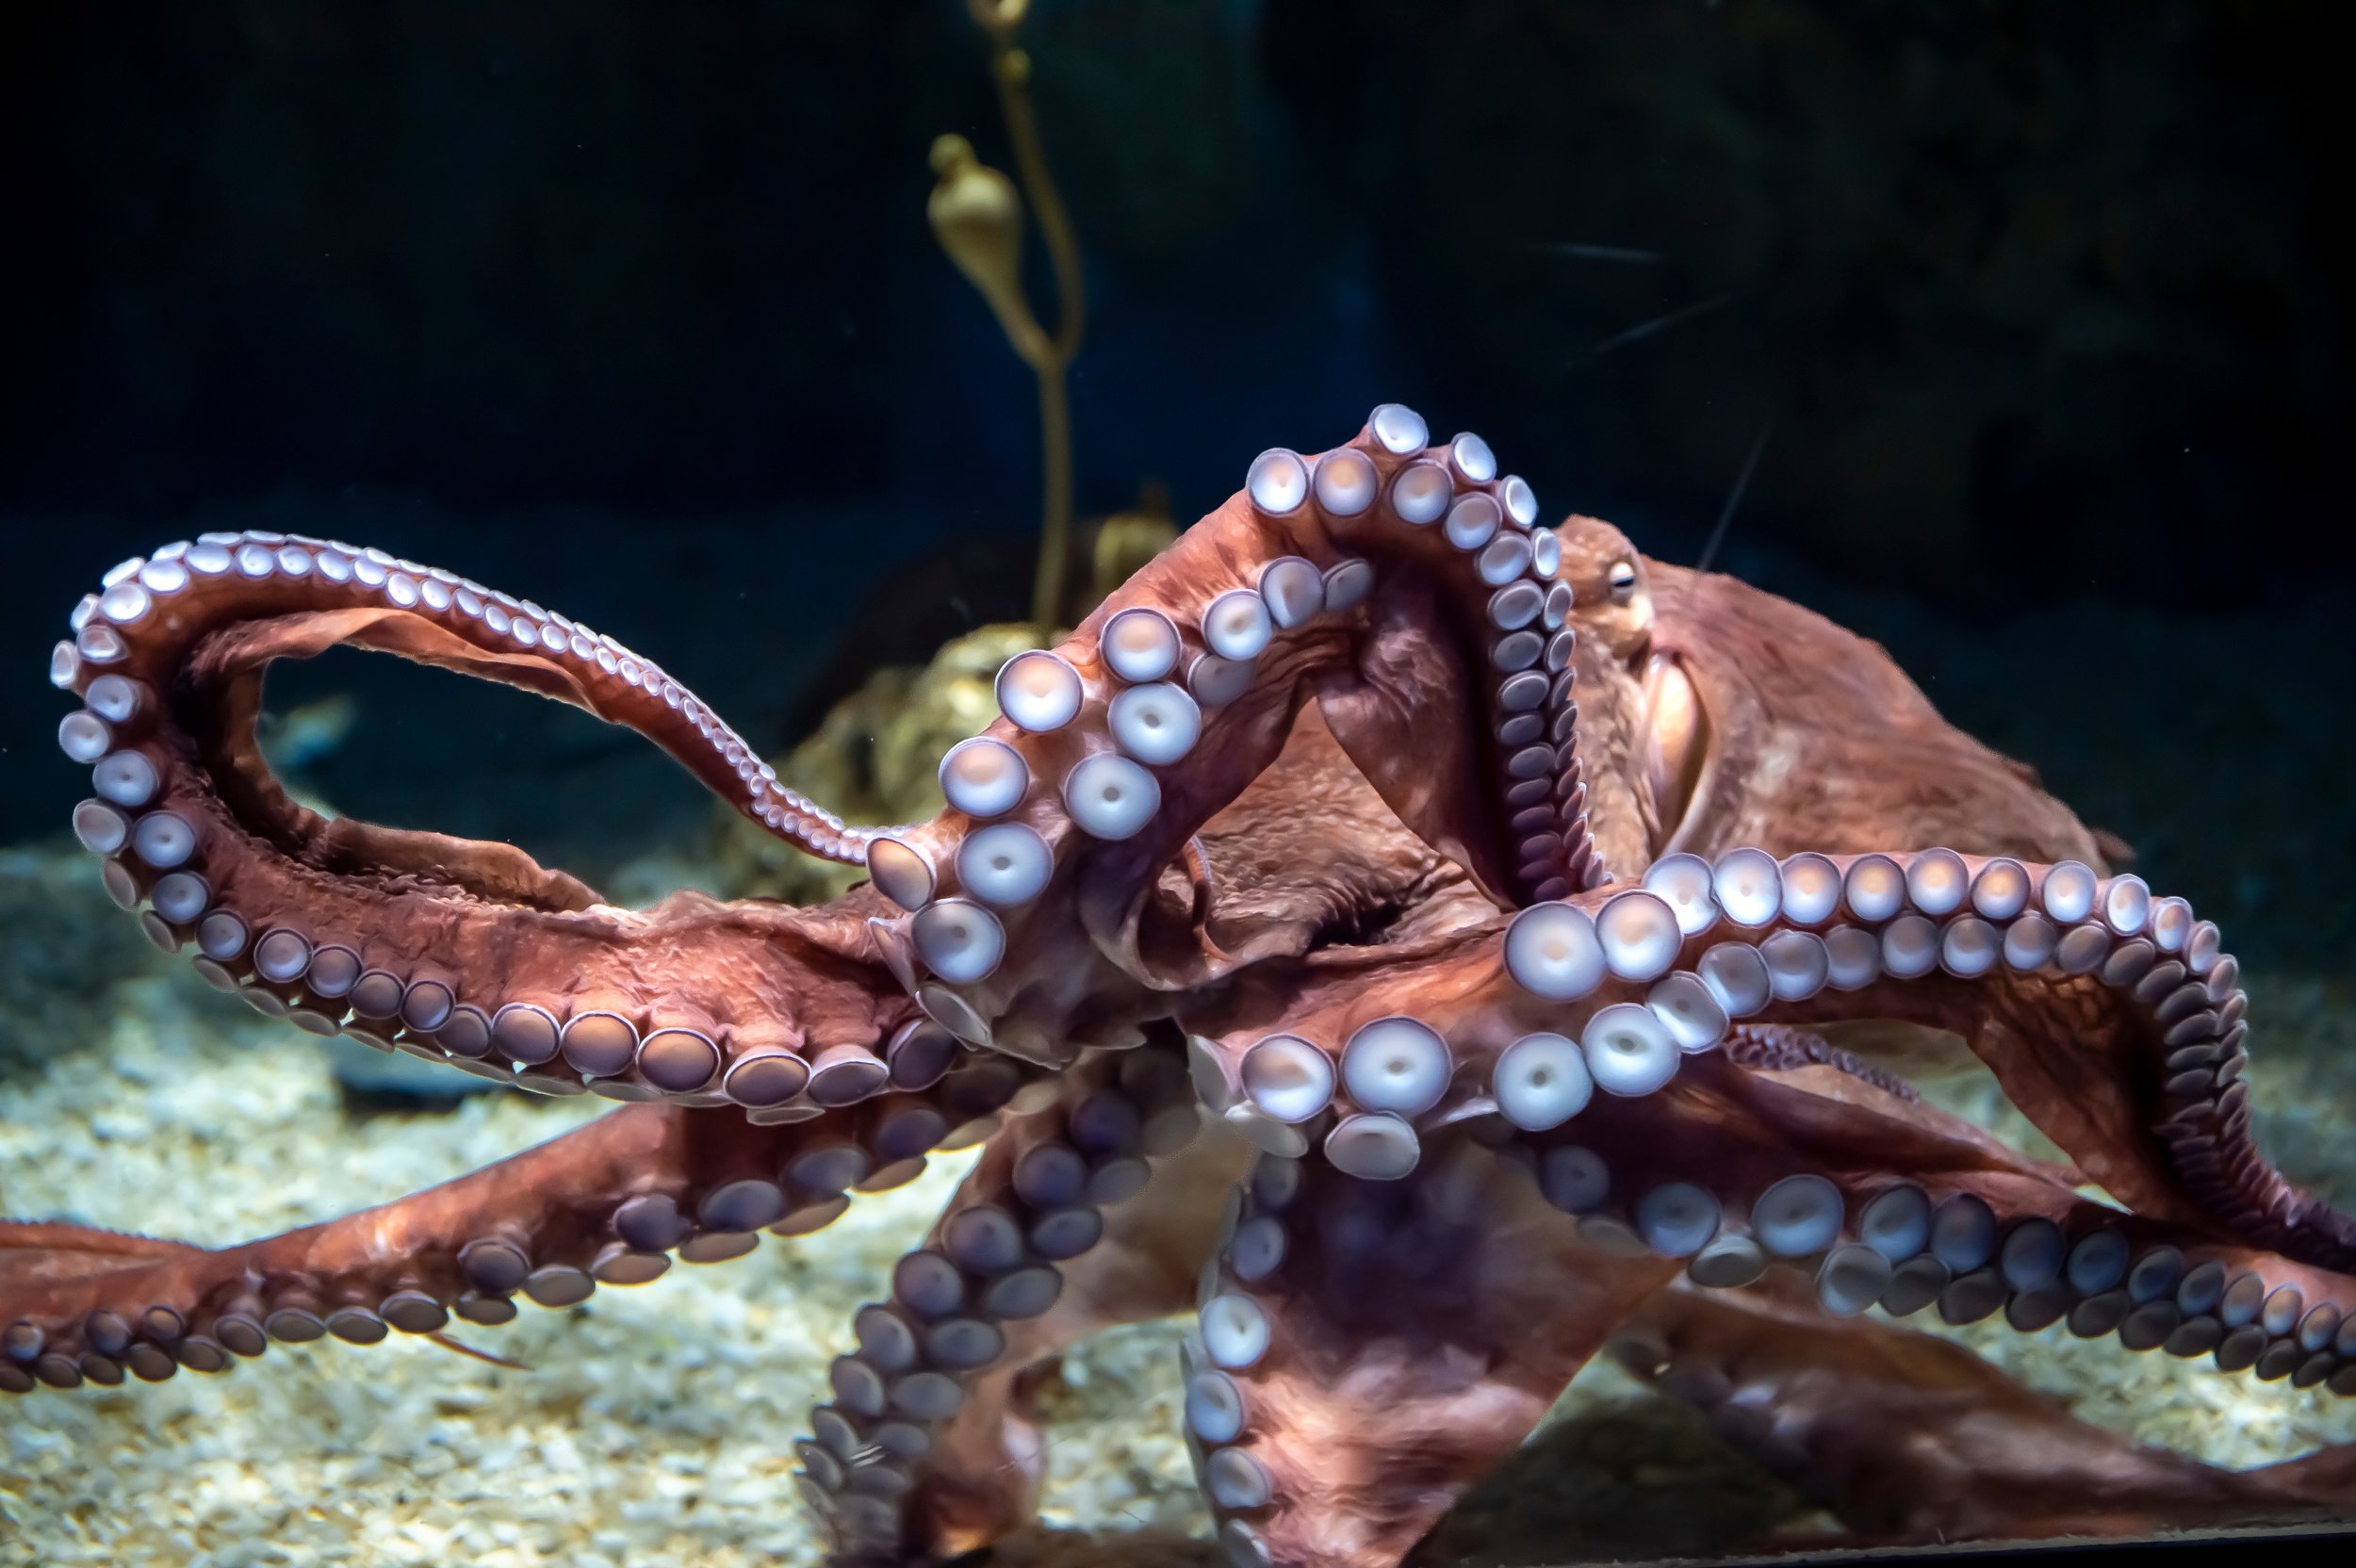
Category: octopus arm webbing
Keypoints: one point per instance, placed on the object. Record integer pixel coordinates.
(1907, 1437)
(172, 648)
(1367, 1350)
(607, 1203)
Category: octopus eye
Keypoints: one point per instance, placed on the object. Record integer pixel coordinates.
(1623, 581)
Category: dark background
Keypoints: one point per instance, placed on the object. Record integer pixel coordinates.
(632, 308)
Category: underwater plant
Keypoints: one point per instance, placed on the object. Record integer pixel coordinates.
(977, 214)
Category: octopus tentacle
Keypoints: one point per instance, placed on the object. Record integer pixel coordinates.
(1907, 1437)
(773, 1009)
(918, 1456)
(2112, 1017)
(609, 1203)
(982, 1474)
(1569, 1006)
(1367, 1349)
(1404, 586)
(191, 628)
(1745, 1177)
(458, 952)
(1780, 1047)
(1735, 1175)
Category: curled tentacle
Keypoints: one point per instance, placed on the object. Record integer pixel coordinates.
(2112, 1017)
(1874, 1201)
(777, 1011)
(1626, 1004)
(459, 951)
(1405, 587)
(186, 635)
(930, 1447)
(610, 1204)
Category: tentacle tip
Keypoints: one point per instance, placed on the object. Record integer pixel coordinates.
(448, 1343)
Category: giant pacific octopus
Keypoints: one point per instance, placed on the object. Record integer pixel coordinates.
(1429, 946)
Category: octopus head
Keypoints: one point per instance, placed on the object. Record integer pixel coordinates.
(1611, 588)
(1642, 721)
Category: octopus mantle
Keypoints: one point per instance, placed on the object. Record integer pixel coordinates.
(1418, 939)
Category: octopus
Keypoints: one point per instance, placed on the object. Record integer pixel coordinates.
(1431, 948)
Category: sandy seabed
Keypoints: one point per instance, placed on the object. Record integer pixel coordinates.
(655, 1425)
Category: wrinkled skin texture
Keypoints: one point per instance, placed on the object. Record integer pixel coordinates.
(1908, 1438)
(1396, 1274)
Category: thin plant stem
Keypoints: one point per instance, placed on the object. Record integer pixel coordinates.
(1055, 420)
(1050, 357)
(1038, 189)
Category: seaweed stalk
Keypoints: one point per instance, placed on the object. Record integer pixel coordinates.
(978, 215)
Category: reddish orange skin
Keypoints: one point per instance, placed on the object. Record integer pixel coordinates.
(1330, 853)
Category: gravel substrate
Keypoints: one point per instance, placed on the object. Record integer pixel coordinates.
(654, 1428)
